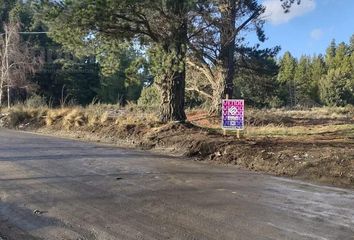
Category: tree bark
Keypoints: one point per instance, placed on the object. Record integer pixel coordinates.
(1, 92)
(2, 81)
(173, 83)
(3, 54)
(227, 38)
(7, 43)
(172, 105)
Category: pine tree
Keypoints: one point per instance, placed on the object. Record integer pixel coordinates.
(318, 69)
(330, 54)
(160, 24)
(351, 44)
(333, 88)
(286, 78)
(302, 78)
(351, 49)
(336, 87)
(341, 57)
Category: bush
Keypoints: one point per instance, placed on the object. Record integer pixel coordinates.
(150, 97)
(17, 116)
(36, 101)
(275, 102)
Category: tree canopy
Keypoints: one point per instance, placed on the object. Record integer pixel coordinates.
(112, 51)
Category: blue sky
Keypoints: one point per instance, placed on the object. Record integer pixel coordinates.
(309, 27)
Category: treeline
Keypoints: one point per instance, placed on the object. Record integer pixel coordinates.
(264, 80)
(318, 80)
(167, 53)
(203, 39)
(110, 73)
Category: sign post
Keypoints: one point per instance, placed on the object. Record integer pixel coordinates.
(233, 115)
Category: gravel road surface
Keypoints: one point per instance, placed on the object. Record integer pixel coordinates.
(53, 188)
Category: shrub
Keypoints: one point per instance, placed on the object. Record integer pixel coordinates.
(17, 116)
(36, 101)
(275, 102)
(150, 97)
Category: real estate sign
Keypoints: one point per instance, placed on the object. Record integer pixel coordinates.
(233, 114)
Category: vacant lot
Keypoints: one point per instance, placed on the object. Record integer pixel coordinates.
(313, 144)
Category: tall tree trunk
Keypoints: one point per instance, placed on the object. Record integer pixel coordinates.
(173, 86)
(2, 55)
(227, 38)
(7, 44)
(174, 79)
(8, 96)
(1, 92)
(172, 105)
(2, 81)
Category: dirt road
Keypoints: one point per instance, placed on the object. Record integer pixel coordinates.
(53, 188)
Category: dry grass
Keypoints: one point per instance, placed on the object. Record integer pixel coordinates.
(344, 130)
(256, 117)
(275, 122)
(92, 116)
(282, 122)
(19, 115)
(308, 122)
(53, 115)
(76, 117)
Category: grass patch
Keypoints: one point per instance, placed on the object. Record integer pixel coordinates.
(345, 130)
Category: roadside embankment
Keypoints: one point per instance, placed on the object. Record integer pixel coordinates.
(316, 145)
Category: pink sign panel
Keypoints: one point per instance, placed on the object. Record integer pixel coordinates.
(233, 114)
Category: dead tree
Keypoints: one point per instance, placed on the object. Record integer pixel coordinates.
(18, 62)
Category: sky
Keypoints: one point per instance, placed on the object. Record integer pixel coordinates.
(309, 27)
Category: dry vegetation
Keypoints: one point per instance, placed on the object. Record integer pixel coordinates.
(314, 144)
(336, 121)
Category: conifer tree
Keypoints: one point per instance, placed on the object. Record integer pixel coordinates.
(317, 70)
(302, 79)
(286, 78)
